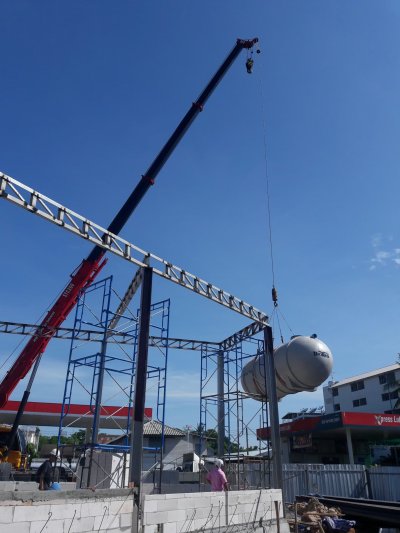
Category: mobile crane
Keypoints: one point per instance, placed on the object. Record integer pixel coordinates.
(92, 265)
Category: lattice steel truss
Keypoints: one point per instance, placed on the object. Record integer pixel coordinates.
(34, 202)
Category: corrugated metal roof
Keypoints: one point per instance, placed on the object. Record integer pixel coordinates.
(154, 428)
(366, 375)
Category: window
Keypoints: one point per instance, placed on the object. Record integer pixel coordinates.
(390, 396)
(335, 392)
(359, 402)
(336, 407)
(388, 378)
(357, 385)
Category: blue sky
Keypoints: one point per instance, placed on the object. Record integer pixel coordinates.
(91, 90)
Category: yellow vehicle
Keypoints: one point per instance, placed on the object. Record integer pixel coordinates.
(17, 456)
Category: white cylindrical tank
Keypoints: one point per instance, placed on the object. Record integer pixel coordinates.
(301, 364)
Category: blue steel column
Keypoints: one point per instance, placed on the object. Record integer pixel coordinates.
(136, 458)
(269, 362)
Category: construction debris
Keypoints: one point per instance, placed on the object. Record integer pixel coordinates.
(315, 517)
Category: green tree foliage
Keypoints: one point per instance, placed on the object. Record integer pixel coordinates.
(212, 442)
(31, 451)
(75, 439)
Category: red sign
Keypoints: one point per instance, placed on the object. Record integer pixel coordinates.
(73, 409)
(371, 419)
(335, 420)
(302, 424)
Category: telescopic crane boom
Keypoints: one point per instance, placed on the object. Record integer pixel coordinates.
(91, 266)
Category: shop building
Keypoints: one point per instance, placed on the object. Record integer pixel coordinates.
(360, 423)
(338, 438)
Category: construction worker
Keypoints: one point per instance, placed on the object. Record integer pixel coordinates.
(216, 478)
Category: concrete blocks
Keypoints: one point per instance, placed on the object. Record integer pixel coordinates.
(149, 529)
(156, 518)
(169, 528)
(56, 526)
(26, 486)
(82, 525)
(72, 512)
(111, 511)
(6, 514)
(7, 485)
(31, 513)
(61, 511)
(21, 527)
(175, 513)
(106, 521)
(121, 506)
(125, 520)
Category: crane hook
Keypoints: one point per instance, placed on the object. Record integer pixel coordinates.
(249, 65)
(275, 296)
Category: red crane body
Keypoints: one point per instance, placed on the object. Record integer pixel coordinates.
(80, 279)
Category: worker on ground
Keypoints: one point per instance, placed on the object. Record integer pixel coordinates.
(47, 475)
(216, 477)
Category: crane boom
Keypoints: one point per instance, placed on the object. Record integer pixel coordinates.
(92, 265)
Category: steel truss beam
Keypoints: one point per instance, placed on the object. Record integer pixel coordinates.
(130, 293)
(117, 337)
(241, 335)
(34, 202)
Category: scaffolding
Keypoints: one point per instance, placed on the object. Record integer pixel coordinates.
(149, 264)
(110, 369)
(230, 415)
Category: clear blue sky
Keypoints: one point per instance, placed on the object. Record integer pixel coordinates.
(90, 91)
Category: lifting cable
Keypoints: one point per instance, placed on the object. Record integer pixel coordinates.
(274, 292)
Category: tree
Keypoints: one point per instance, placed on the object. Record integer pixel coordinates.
(212, 441)
(79, 437)
(31, 452)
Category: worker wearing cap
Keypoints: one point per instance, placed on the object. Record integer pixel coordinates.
(216, 477)
(45, 474)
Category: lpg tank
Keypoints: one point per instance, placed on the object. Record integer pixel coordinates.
(301, 364)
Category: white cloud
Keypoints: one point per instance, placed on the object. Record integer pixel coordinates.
(383, 257)
(376, 240)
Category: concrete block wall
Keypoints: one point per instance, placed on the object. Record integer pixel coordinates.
(60, 512)
(29, 486)
(175, 513)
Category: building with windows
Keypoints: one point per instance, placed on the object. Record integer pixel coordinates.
(372, 392)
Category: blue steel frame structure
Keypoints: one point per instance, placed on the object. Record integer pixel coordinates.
(93, 310)
(231, 406)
